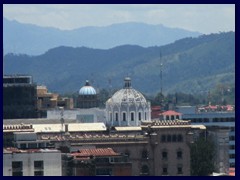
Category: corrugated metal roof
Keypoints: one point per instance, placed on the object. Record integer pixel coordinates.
(128, 128)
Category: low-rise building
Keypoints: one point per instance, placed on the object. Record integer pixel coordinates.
(31, 162)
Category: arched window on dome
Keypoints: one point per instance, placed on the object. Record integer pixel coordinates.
(132, 116)
(116, 116)
(145, 116)
(110, 116)
(124, 116)
(139, 116)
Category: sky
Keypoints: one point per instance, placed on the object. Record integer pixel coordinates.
(204, 18)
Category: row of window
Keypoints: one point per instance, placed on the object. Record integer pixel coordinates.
(124, 116)
(172, 138)
(171, 117)
(145, 170)
(145, 154)
(205, 120)
(17, 168)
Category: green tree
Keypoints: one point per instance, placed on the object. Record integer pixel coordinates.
(202, 157)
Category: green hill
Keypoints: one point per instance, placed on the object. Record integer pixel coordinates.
(190, 65)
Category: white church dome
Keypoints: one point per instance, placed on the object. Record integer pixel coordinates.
(127, 94)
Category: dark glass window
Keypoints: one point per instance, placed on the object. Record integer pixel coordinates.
(179, 154)
(169, 138)
(179, 170)
(174, 138)
(164, 170)
(144, 154)
(145, 170)
(139, 116)
(164, 155)
(124, 116)
(132, 116)
(163, 138)
(179, 138)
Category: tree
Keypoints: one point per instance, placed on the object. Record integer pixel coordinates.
(202, 157)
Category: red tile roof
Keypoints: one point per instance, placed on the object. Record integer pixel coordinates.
(170, 112)
(95, 152)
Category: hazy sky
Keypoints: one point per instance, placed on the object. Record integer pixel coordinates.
(204, 18)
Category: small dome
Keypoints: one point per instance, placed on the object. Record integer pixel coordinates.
(87, 90)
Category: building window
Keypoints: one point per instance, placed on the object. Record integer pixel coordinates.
(104, 171)
(116, 116)
(167, 117)
(110, 116)
(17, 167)
(145, 116)
(38, 173)
(163, 138)
(164, 155)
(174, 138)
(169, 138)
(139, 116)
(32, 145)
(132, 116)
(124, 116)
(177, 116)
(172, 117)
(179, 170)
(38, 168)
(179, 138)
(144, 170)
(144, 154)
(164, 170)
(179, 154)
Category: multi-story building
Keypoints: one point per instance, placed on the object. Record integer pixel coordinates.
(221, 126)
(19, 97)
(47, 100)
(154, 148)
(31, 162)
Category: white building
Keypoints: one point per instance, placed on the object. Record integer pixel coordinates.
(127, 107)
(32, 162)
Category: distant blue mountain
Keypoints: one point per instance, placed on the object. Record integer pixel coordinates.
(34, 40)
(190, 65)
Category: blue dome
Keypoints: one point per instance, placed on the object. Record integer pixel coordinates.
(87, 90)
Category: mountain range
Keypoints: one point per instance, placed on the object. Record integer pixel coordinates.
(35, 40)
(190, 65)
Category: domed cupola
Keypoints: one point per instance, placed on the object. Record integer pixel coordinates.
(127, 107)
(87, 89)
(87, 97)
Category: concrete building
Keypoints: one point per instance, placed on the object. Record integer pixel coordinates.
(90, 115)
(127, 107)
(47, 100)
(154, 148)
(220, 123)
(98, 162)
(32, 162)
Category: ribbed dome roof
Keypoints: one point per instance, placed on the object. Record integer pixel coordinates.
(127, 94)
(87, 89)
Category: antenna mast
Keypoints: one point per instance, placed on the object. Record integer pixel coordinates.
(161, 66)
